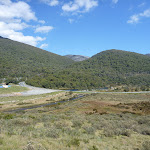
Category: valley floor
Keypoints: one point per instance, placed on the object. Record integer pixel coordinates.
(100, 121)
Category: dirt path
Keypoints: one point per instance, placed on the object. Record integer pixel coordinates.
(35, 90)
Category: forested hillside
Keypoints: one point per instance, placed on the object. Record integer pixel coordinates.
(44, 69)
(22, 60)
(112, 67)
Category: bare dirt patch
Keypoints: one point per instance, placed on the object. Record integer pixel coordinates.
(141, 107)
(101, 107)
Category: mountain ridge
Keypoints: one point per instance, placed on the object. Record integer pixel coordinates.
(77, 57)
(111, 67)
(45, 69)
(19, 59)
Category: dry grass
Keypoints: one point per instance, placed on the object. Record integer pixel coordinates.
(12, 89)
(70, 126)
(17, 101)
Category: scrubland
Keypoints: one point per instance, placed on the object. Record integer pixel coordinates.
(94, 122)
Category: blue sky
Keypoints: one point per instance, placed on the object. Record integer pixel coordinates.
(83, 27)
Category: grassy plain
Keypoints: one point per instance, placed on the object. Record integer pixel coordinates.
(12, 89)
(13, 102)
(94, 122)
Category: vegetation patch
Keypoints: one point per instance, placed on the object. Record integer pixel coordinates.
(12, 89)
(70, 128)
(109, 69)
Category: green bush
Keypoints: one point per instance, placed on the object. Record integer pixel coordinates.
(89, 130)
(77, 123)
(126, 133)
(8, 116)
(146, 145)
(93, 148)
(74, 142)
(53, 133)
(146, 131)
(1, 140)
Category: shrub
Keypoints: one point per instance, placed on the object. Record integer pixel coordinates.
(73, 132)
(108, 133)
(86, 141)
(116, 131)
(126, 89)
(29, 147)
(10, 131)
(70, 92)
(53, 133)
(146, 131)
(126, 133)
(146, 145)
(74, 142)
(8, 116)
(89, 130)
(93, 148)
(77, 123)
(1, 141)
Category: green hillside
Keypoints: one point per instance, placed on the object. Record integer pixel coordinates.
(111, 67)
(22, 60)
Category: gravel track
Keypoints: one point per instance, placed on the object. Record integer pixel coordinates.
(32, 91)
(35, 90)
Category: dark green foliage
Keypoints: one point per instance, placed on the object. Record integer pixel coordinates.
(126, 89)
(74, 142)
(93, 148)
(1, 140)
(19, 61)
(70, 92)
(22, 60)
(7, 116)
(11, 80)
(146, 145)
(112, 67)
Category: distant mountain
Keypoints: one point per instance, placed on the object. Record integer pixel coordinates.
(77, 57)
(111, 67)
(148, 54)
(1, 37)
(22, 60)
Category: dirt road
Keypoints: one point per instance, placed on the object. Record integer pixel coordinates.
(35, 90)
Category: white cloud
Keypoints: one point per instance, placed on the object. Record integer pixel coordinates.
(9, 10)
(44, 45)
(79, 6)
(5, 2)
(146, 13)
(115, 1)
(71, 20)
(43, 29)
(50, 2)
(42, 21)
(142, 4)
(13, 18)
(9, 32)
(135, 18)
(17, 26)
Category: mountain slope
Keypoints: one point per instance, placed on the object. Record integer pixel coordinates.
(77, 57)
(112, 67)
(22, 60)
